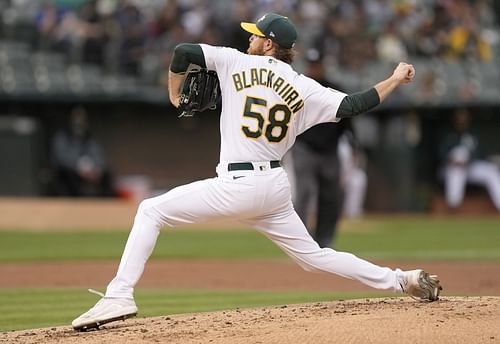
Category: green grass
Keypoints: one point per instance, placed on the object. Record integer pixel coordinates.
(188, 244)
(402, 238)
(34, 308)
(420, 238)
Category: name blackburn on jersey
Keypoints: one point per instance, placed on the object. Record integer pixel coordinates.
(267, 78)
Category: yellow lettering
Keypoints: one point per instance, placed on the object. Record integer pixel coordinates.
(237, 82)
(262, 73)
(254, 77)
(285, 94)
(291, 97)
(270, 77)
(297, 106)
(284, 90)
(244, 77)
(277, 85)
(266, 77)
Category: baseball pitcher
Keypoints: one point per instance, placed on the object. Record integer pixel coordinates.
(265, 105)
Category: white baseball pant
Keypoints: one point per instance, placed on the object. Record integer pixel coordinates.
(354, 192)
(477, 172)
(259, 198)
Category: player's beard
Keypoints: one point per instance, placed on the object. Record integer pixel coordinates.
(256, 49)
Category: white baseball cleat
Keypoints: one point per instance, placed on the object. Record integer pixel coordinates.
(105, 311)
(420, 285)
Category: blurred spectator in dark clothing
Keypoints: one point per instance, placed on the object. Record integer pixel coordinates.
(133, 33)
(429, 39)
(241, 11)
(92, 33)
(317, 167)
(164, 20)
(48, 19)
(464, 163)
(79, 163)
(58, 28)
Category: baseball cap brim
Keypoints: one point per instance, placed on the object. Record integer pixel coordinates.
(252, 28)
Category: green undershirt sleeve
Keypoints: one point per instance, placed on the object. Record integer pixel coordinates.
(357, 103)
(184, 55)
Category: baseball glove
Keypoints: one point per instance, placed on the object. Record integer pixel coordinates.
(200, 92)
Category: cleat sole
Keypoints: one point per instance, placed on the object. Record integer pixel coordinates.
(95, 325)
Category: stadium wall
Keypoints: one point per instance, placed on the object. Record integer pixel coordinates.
(148, 140)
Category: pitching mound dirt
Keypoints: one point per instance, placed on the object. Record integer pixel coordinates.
(390, 320)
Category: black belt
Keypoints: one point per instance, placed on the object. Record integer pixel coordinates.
(240, 166)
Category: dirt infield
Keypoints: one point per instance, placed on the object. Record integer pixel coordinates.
(461, 278)
(395, 320)
(390, 320)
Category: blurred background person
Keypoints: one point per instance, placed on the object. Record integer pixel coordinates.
(464, 163)
(316, 166)
(78, 161)
(352, 175)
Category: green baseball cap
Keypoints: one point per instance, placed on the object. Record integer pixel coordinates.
(275, 27)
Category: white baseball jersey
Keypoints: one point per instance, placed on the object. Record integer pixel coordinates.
(265, 104)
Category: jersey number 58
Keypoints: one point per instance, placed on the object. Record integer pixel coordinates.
(274, 126)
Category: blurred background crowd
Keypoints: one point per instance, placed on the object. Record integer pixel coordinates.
(93, 73)
(137, 37)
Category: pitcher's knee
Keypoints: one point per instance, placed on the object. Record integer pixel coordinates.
(147, 210)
